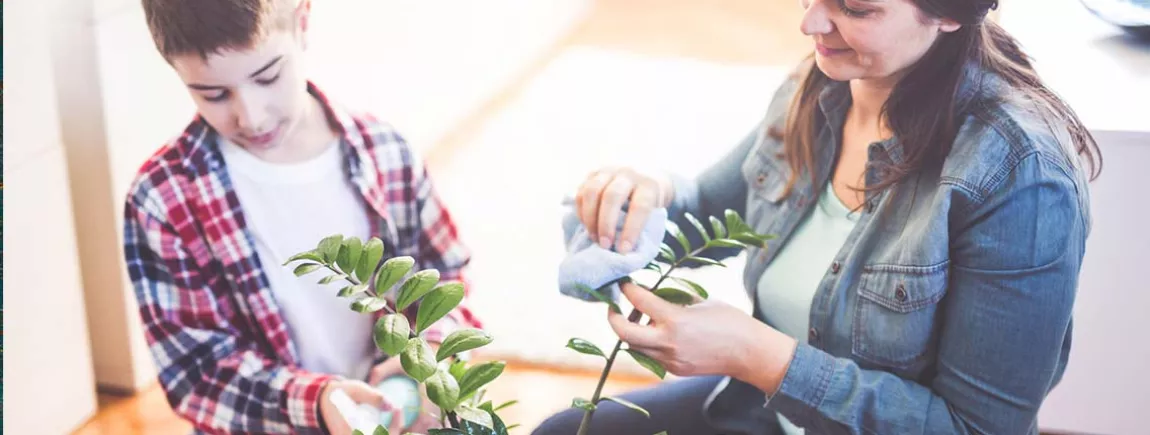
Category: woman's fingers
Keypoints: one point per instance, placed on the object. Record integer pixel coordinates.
(644, 199)
(588, 199)
(611, 206)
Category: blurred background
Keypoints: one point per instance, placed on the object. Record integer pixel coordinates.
(512, 102)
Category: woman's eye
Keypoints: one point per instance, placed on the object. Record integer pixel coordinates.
(223, 95)
(851, 12)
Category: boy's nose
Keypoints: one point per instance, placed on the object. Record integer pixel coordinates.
(250, 114)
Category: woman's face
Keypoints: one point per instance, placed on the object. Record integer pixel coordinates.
(869, 39)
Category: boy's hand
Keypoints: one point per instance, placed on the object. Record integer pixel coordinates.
(360, 393)
(600, 201)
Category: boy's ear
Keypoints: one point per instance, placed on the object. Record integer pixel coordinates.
(302, 15)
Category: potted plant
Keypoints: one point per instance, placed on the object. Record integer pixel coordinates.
(455, 387)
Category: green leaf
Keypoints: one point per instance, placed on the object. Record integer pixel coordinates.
(505, 405)
(726, 243)
(393, 270)
(458, 369)
(418, 359)
(309, 255)
(500, 427)
(415, 287)
(487, 406)
(654, 267)
(720, 229)
(329, 279)
(329, 247)
(707, 261)
(585, 347)
(447, 431)
(698, 226)
(698, 289)
(648, 363)
(475, 415)
(675, 296)
(472, 428)
(583, 404)
(478, 376)
(437, 304)
(750, 240)
(598, 295)
(352, 290)
(392, 333)
(443, 390)
(368, 304)
(369, 259)
(380, 430)
(628, 404)
(356, 432)
(668, 253)
(675, 231)
(348, 256)
(462, 341)
(306, 268)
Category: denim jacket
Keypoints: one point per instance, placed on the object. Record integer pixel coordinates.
(948, 309)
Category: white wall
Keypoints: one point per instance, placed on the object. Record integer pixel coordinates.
(1105, 77)
(47, 356)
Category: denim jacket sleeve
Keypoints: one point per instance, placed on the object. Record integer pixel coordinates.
(1016, 250)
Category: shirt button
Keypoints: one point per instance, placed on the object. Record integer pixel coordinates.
(835, 267)
(813, 335)
(900, 293)
(762, 178)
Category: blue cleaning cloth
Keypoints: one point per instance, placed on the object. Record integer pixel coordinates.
(590, 265)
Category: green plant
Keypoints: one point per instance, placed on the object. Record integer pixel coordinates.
(451, 384)
(733, 234)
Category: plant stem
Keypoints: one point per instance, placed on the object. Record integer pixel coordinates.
(454, 421)
(635, 315)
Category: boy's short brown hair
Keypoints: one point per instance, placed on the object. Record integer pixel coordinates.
(203, 27)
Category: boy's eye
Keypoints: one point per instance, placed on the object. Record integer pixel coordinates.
(223, 95)
(268, 81)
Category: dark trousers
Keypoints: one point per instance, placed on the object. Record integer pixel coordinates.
(675, 407)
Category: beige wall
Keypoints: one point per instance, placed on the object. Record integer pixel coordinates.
(47, 358)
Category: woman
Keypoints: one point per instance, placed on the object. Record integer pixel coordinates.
(931, 215)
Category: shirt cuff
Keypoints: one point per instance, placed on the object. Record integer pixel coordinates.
(302, 407)
(805, 384)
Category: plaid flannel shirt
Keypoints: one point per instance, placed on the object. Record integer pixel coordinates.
(225, 357)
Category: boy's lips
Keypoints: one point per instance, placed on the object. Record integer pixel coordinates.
(263, 139)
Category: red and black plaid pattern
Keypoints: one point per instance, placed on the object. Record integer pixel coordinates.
(223, 351)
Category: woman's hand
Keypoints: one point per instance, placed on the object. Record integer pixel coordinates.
(707, 338)
(600, 201)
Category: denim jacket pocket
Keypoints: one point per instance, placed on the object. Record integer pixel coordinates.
(766, 177)
(895, 323)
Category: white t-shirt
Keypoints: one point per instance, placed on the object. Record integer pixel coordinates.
(289, 208)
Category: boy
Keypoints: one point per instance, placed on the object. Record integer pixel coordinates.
(267, 169)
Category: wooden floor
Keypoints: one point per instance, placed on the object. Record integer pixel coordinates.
(540, 391)
(760, 32)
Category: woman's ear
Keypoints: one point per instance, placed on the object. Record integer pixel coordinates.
(947, 25)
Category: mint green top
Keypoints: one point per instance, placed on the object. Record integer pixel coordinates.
(788, 286)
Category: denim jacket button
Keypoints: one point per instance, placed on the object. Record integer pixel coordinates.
(762, 178)
(835, 267)
(813, 335)
(900, 293)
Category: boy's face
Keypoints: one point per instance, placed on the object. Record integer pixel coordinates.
(254, 97)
